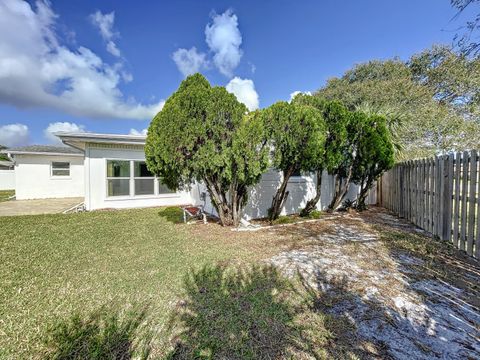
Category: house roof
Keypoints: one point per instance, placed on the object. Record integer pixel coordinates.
(78, 140)
(43, 150)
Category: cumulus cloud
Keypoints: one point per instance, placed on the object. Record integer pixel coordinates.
(244, 90)
(14, 135)
(189, 61)
(104, 23)
(224, 39)
(138, 132)
(295, 93)
(37, 71)
(53, 128)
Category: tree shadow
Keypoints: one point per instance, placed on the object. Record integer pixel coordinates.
(254, 313)
(234, 313)
(172, 214)
(107, 333)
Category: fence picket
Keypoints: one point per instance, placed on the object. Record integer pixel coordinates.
(477, 236)
(463, 216)
(456, 211)
(432, 194)
(471, 200)
(427, 196)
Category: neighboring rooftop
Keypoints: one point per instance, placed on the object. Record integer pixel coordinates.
(78, 140)
(43, 149)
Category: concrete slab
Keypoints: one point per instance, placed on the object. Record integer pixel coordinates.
(40, 206)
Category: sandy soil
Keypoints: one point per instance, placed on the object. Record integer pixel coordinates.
(407, 296)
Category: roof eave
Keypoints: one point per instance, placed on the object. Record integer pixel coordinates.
(69, 138)
(43, 153)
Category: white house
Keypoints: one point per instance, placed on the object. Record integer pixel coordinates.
(109, 171)
(7, 175)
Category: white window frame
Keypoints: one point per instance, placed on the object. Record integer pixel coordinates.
(61, 176)
(153, 178)
(131, 179)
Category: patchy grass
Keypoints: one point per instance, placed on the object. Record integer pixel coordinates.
(292, 219)
(57, 266)
(136, 283)
(254, 313)
(315, 214)
(104, 334)
(5, 194)
(173, 214)
(285, 220)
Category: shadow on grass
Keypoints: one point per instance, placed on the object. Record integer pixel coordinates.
(251, 313)
(172, 214)
(104, 334)
(233, 313)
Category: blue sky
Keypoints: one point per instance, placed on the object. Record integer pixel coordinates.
(107, 66)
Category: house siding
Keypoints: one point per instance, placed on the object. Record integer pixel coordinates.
(96, 156)
(33, 178)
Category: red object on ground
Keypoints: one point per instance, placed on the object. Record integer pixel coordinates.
(193, 210)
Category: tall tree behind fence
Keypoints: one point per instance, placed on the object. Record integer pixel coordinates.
(440, 195)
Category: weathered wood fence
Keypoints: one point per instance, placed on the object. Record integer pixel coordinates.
(440, 195)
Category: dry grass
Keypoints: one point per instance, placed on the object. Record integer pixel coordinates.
(5, 194)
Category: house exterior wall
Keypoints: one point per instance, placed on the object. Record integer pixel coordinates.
(33, 179)
(7, 179)
(96, 156)
(300, 189)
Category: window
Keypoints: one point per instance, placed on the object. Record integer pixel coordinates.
(60, 168)
(118, 178)
(132, 178)
(144, 179)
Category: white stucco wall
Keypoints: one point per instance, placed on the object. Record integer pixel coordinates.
(7, 179)
(300, 189)
(96, 157)
(33, 178)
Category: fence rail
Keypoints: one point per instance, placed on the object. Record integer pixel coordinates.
(440, 195)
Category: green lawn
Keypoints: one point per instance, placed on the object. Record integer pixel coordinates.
(52, 266)
(108, 283)
(5, 194)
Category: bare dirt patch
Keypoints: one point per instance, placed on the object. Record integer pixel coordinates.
(407, 296)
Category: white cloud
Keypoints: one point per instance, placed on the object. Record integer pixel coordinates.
(37, 71)
(104, 23)
(113, 49)
(244, 90)
(224, 39)
(61, 127)
(14, 135)
(189, 61)
(295, 93)
(137, 132)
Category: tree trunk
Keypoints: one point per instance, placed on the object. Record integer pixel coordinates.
(362, 197)
(238, 200)
(340, 191)
(312, 203)
(280, 196)
(220, 202)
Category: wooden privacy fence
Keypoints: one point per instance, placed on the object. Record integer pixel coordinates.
(440, 195)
